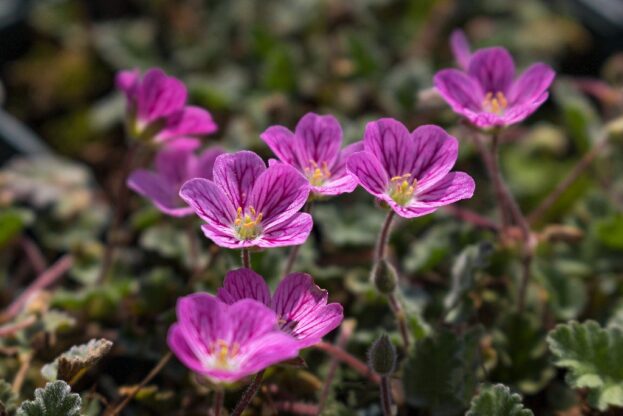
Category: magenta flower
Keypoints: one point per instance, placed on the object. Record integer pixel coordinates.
(314, 150)
(300, 305)
(460, 48)
(175, 164)
(247, 204)
(157, 106)
(228, 342)
(410, 172)
(487, 93)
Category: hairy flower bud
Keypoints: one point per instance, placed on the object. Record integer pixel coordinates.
(384, 276)
(382, 356)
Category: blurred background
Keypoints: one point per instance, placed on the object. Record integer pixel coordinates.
(257, 63)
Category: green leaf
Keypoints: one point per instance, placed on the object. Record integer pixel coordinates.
(610, 231)
(593, 357)
(56, 399)
(70, 365)
(497, 400)
(440, 372)
(8, 399)
(11, 224)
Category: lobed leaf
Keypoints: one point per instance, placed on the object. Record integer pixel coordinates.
(497, 400)
(56, 399)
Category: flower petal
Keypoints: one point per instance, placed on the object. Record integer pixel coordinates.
(225, 237)
(248, 319)
(205, 162)
(283, 144)
(453, 187)
(244, 284)
(179, 346)
(321, 138)
(209, 202)
(368, 172)
(460, 48)
(128, 81)
(162, 194)
(531, 85)
(159, 95)
(493, 68)
(175, 162)
(459, 90)
(236, 173)
(278, 193)
(201, 318)
(292, 232)
(188, 121)
(340, 181)
(436, 153)
(389, 141)
(272, 348)
(302, 309)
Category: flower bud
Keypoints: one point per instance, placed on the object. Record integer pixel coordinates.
(384, 276)
(382, 356)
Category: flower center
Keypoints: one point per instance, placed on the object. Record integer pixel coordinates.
(248, 225)
(495, 103)
(401, 188)
(317, 174)
(224, 353)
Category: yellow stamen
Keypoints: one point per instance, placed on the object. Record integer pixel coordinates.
(401, 189)
(248, 225)
(317, 175)
(495, 104)
(224, 352)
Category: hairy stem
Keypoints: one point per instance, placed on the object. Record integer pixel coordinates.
(246, 258)
(381, 245)
(401, 319)
(219, 396)
(248, 394)
(386, 401)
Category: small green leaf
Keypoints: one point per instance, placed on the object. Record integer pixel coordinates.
(497, 400)
(70, 365)
(56, 399)
(593, 357)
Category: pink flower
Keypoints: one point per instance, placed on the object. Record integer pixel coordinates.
(487, 93)
(460, 48)
(247, 204)
(314, 150)
(300, 304)
(157, 106)
(175, 164)
(410, 172)
(228, 342)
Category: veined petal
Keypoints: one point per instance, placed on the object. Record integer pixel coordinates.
(159, 95)
(369, 172)
(271, 348)
(236, 174)
(453, 187)
(436, 153)
(278, 193)
(459, 90)
(206, 160)
(163, 194)
(321, 138)
(248, 319)
(225, 237)
(531, 85)
(291, 232)
(175, 162)
(209, 202)
(283, 144)
(201, 318)
(493, 68)
(518, 113)
(178, 344)
(188, 121)
(389, 141)
(302, 308)
(244, 284)
(460, 48)
(342, 183)
(345, 154)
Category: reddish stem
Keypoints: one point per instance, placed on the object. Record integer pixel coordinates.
(348, 359)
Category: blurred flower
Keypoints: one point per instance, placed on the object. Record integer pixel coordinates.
(227, 342)
(314, 150)
(460, 48)
(157, 107)
(300, 304)
(486, 93)
(410, 172)
(175, 164)
(249, 205)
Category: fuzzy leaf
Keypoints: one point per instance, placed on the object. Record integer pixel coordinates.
(593, 357)
(440, 372)
(71, 364)
(497, 400)
(8, 399)
(56, 399)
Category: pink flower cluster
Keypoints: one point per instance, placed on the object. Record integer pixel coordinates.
(245, 204)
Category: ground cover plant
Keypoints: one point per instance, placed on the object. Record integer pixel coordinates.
(310, 208)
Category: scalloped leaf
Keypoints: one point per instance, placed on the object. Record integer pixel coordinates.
(56, 399)
(593, 357)
(497, 400)
(70, 365)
